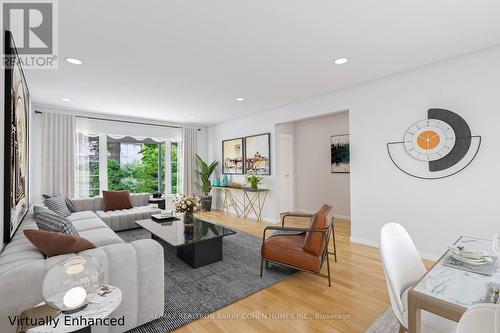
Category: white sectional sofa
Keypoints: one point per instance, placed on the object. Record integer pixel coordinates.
(117, 219)
(137, 267)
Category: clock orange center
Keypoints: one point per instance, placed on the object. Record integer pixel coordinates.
(428, 140)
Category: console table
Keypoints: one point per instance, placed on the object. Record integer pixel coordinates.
(253, 200)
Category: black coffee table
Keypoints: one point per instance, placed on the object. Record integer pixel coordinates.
(197, 246)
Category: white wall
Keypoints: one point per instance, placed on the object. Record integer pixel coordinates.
(314, 182)
(435, 212)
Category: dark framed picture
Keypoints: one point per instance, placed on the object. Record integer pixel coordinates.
(340, 154)
(16, 163)
(232, 156)
(258, 154)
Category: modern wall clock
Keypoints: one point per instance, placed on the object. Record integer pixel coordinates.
(437, 147)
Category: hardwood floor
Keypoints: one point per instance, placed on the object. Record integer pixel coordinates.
(356, 298)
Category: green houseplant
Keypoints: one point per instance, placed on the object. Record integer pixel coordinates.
(254, 180)
(204, 172)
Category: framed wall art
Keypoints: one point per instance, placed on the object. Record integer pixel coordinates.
(232, 156)
(340, 157)
(258, 154)
(16, 162)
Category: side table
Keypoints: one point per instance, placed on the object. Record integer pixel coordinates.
(159, 201)
(100, 310)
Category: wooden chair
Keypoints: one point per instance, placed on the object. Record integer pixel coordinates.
(305, 249)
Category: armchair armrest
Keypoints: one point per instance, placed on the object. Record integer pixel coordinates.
(290, 214)
(289, 229)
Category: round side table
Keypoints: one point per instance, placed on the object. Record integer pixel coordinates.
(97, 308)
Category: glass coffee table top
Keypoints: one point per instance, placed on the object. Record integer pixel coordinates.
(176, 234)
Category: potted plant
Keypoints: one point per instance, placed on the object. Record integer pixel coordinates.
(204, 172)
(254, 180)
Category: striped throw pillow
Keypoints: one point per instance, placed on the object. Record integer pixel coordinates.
(69, 203)
(47, 220)
(57, 205)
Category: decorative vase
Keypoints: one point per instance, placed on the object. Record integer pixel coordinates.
(254, 185)
(225, 181)
(188, 223)
(216, 182)
(188, 219)
(206, 203)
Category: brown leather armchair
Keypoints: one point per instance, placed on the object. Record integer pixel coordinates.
(304, 249)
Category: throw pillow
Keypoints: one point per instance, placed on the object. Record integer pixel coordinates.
(48, 220)
(116, 200)
(57, 205)
(53, 243)
(69, 203)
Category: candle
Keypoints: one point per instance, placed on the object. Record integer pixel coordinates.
(74, 297)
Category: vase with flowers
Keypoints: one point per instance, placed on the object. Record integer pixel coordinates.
(254, 179)
(188, 205)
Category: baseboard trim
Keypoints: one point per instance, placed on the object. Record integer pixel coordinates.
(342, 217)
(337, 216)
(264, 218)
(372, 243)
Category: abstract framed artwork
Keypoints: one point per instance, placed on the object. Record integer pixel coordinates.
(16, 163)
(258, 154)
(232, 156)
(340, 157)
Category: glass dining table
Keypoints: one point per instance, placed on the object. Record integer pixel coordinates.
(449, 291)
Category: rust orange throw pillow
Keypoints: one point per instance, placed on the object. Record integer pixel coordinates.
(55, 243)
(116, 200)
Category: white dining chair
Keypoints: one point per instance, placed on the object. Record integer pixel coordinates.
(403, 268)
(483, 318)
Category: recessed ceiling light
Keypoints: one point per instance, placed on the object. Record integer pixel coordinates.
(74, 61)
(240, 99)
(65, 99)
(341, 61)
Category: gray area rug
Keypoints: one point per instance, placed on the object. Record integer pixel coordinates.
(386, 323)
(193, 293)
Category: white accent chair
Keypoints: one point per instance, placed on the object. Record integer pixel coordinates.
(480, 318)
(403, 268)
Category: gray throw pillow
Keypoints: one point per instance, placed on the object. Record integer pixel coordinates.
(69, 203)
(48, 220)
(57, 205)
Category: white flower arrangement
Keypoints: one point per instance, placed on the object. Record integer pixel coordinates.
(188, 204)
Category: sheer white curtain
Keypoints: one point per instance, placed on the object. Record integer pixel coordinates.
(188, 160)
(58, 154)
(82, 171)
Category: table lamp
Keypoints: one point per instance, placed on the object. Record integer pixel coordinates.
(70, 284)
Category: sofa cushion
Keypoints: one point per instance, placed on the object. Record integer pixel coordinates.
(125, 218)
(90, 223)
(116, 200)
(101, 236)
(54, 243)
(315, 241)
(58, 205)
(81, 216)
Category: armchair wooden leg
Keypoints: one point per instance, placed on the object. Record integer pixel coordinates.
(402, 329)
(334, 244)
(261, 266)
(328, 268)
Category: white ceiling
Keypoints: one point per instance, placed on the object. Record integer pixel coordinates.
(176, 59)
